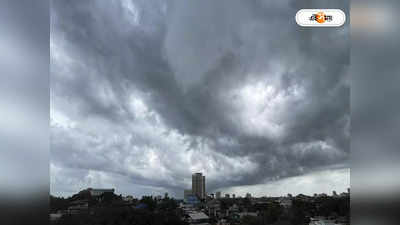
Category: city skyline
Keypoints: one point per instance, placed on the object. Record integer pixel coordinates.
(168, 89)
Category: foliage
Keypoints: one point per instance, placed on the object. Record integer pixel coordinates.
(57, 203)
(150, 202)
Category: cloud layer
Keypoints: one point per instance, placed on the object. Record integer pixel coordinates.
(144, 93)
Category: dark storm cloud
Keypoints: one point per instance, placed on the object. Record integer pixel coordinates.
(232, 88)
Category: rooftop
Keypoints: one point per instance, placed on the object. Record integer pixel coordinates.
(198, 216)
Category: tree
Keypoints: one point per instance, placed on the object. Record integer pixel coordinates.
(299, 211)
(251, 220)
(57, 203)
(168, 204)
(273, 213)
(149, 201)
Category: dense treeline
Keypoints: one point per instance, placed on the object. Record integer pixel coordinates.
(112, 211)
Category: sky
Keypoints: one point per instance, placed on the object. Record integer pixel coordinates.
(145, 93)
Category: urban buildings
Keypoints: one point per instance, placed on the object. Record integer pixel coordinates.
(198, 218)
(98, 192)
(218, 195)
(199, 185)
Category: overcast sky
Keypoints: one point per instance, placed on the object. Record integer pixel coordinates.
(145, 93)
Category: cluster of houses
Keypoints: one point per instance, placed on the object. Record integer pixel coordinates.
(210, 211)
(327, 221)
(80, 206)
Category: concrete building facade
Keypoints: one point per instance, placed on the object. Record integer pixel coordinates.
(98, 192)
(199, 185)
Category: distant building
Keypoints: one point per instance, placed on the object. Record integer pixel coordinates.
(233, 195)
(214, 207)
(218, 195)
(234, 209)
(303, 197)
(78, 206)
(166, 195)
(128, 198)
(334, 193)
(191, 200)
(198, 218)
(242, 214)
(55, 216)
(227, 196)
(99, 192)
(248, 195)
(322, 220)
(199, 185)
(285, 202)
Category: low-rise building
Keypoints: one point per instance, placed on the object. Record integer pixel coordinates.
(214, 207)
(55, 216)
(324, 221)
(285, 202)
(199, 218)
(78, 207)
(234, 209)
(192, 200)
(128, 198)
(242, 214)
(98, 192)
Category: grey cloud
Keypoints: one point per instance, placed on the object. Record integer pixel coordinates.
(229, 81)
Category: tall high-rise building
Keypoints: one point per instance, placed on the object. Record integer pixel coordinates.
(218, 195)
(199, 185)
